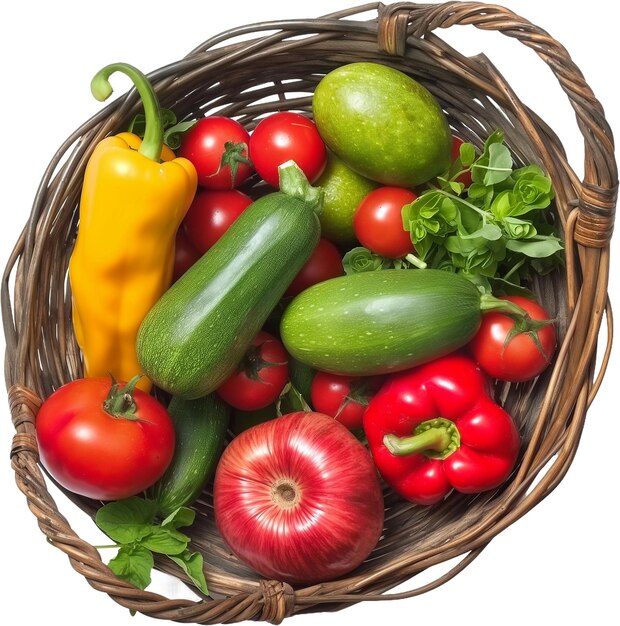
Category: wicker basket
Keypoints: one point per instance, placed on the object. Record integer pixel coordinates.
(277, 68)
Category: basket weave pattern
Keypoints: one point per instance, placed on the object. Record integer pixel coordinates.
(276, 67)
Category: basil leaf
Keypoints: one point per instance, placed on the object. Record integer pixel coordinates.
(494, 166)
(137, 126)
(183, 516)
(467, 154)
(482, 282)
(192, 564)
(501, 287)
(165, 540)
(486, 231)
(168, 118)
(174, 134)
(535, 247)
(424, 246)
(133, 564)
(127, 521)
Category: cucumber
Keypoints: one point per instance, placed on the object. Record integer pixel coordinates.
(384, 321)
(200, 426)
(195, 335)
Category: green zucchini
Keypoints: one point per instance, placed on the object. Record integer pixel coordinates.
(200, 427)
(196, 334)
(385, 320)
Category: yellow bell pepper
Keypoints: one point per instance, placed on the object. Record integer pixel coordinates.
(130, 210)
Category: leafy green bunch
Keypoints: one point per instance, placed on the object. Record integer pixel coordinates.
(494, 228)
(132, 525)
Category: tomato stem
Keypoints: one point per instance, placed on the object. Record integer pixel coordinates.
(120, 402)
(252, 363)
(232, 156)
(523, 323)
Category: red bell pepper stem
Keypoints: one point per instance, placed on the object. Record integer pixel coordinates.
(153, 131)
(437, 438)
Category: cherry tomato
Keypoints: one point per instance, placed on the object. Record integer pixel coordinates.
(218, 147)
(101, 441)
(464, 178)
(324, 263)
(260, 377)
(185, 255)
(285, 136)
(343, 397)
(378, 222)
(211, 214)
(521, 358)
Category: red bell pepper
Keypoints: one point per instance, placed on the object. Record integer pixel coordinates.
(435, 428)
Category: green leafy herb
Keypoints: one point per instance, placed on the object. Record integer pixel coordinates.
(495, 228)
(134, 564)
(192, 564)
(362, 259)
(131, 523)
(173, 129)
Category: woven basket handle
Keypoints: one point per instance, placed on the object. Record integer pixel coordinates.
(599, 189)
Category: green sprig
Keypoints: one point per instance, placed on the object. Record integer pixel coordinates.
(496, 227)
(131, 523)
(173, 129)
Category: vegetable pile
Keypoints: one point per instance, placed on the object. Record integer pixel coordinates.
(292, 318)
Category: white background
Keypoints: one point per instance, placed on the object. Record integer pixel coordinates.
(557, 564)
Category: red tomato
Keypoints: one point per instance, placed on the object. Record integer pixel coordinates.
(286, 136)
(378, 222)
(213, 145)
(104, 453)
(211, 214)
(456, 147)
(185, 255)
(343, 397)
(260, 377)
(324, 263)
(298, 499)
(520, 359)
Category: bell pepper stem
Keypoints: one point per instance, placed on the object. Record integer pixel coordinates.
(436, 438)
(101, 89)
